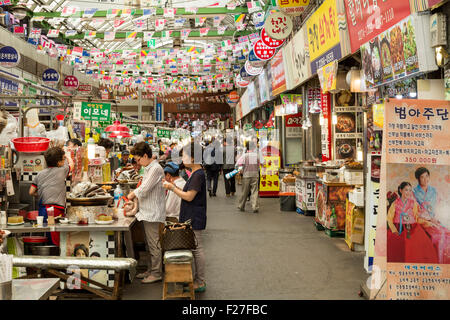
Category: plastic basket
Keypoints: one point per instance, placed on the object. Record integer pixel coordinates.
(31, 144)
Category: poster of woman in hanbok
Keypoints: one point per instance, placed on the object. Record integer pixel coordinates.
(418, 216)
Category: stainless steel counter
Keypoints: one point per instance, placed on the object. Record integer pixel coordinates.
(118, 225)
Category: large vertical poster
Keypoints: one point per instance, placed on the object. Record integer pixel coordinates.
(415, 187)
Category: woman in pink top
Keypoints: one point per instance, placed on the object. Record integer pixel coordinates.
(406, 238)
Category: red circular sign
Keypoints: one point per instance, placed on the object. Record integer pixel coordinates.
(71, 82)
(262, 51)
(233, 96)
(270, 42)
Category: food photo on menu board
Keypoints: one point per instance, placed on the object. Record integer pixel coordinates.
(345, 148)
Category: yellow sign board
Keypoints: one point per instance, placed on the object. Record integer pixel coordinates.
(322, 29)
(292, 7)
(269, 174)
(378, 115)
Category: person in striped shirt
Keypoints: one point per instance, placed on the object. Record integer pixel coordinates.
(152, 208)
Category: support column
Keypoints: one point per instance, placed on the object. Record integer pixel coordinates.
(140, 104)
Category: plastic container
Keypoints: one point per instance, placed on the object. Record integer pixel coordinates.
(118, 193)
(31, 144)
(32, 241)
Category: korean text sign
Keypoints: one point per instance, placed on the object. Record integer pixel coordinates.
(368, 18)
(323, 34)
(95, 111)
(417, 185)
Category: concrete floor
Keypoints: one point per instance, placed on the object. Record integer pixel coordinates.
(268, 255)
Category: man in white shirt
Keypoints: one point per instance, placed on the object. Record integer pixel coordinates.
(152, 209)
(173, 202)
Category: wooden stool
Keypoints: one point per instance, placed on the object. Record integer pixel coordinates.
(178, 269)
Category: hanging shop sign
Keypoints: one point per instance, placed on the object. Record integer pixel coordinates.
(254, 60)
(327, 38)
(301, 69)
(10, 86)
(346, 131)
(325, 102)
(278, 75)
(71, 83)
(252, 71)
(278, 25)
(92, 111)
(262, 51)
(252, 96)
(233, 96)
(159, 111)
(287, 58)
(241, 83)
(244, 74)
(398, 52)
(164, 133)
(50, 77)
(422, 270)
(263, 88)
(84, 88)
(292, 7)
(293, 125)
(270, 42)
(366, 20)
(245, 103)
(327, 76)
(9, 57)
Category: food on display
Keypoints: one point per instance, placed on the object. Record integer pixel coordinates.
(397, 56)
(345, 150)
(376, 62)
(367, 64)
(16, 219)
(386, 58)
(345, 123)
(87, 190)
(104, 217)
(409, 47)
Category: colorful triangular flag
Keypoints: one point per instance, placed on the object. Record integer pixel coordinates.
(221, 29)
(148, 35)
(185, 33)
(203, 32)
(70, 33)
(90, 34)
(253, 6)
(52, 33)
(118, 22)
(89, 13)
(192, 10)
(35, 33)
(169, 12)
(159, 24)
(68, 11)
(218, 20)
(109, 35)
(200, 21)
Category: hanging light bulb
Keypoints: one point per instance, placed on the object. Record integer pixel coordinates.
(359, 152)
(304, 125)
(91, 147)
(321, 119)
(308, 122)
(334, 118)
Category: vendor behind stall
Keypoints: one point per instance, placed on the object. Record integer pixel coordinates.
(50, 184)
(125, 160)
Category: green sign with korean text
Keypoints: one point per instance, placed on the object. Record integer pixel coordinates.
(164, 133)
(96, 111)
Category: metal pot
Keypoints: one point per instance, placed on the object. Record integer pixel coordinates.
(45, 251)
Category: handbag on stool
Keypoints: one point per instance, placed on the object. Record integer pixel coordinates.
(178, 236)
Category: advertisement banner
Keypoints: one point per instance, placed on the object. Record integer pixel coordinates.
(398, 52)
(346, 134)
(270, 181)
(325, 99)
(327, 76)
(263, 88)
(367, 19)
(288, 59)
(245, 104)
(447, 84)
(293, 124)
(323, 35)
(278, 75)
(301, 67)
(415, 183)
(252, 99)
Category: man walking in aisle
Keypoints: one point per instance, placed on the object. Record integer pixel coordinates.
(250, 162)
(228, 166)
(152, 208)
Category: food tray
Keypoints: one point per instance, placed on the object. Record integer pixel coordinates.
(98, 201)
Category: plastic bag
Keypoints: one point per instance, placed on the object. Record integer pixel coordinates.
(38, 131)
(10, 131)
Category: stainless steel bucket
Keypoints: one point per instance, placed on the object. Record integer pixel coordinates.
(6, 290)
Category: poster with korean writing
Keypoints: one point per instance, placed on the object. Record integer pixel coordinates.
(278, 75)
(269, 181)
(368, 18)
(301, 70)
(347, 131)
(416, 162)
